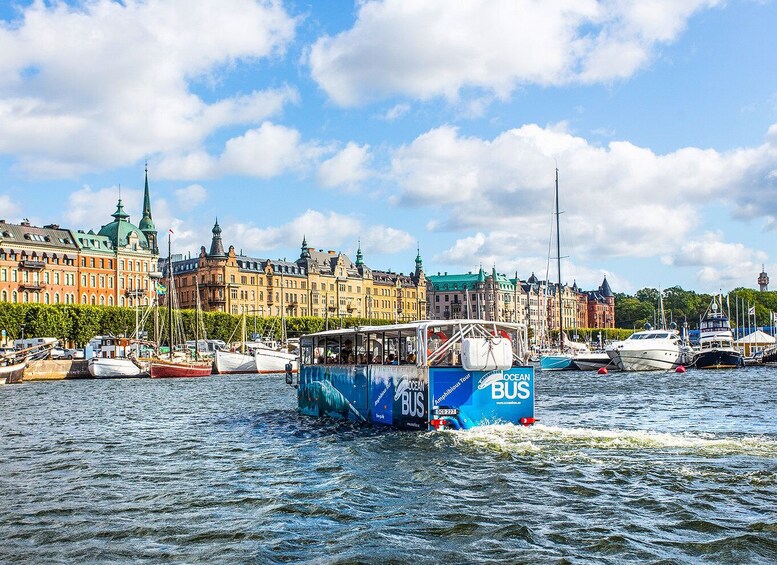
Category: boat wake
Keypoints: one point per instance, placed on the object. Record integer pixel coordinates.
(540, 438)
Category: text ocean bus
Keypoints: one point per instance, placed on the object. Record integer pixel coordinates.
(454, 374)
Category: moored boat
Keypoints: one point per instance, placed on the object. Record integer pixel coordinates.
(650, 350)
(226, 362)
(166, 369)
(12, 373)
(716, 341)
(592, 360)
(271, 360)
(113, 359)
(555, 361)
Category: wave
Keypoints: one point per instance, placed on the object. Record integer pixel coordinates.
(540, 438)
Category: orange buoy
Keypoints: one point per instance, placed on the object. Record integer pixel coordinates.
(602, 371)
(679, 369)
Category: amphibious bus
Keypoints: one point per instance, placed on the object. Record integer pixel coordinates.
(453, 374)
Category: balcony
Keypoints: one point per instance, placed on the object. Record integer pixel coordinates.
(32, 265)
(216, 301)
(33, 286)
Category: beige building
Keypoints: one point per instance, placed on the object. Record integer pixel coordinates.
(326, 284)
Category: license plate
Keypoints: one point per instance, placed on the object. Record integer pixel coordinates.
(447, 412)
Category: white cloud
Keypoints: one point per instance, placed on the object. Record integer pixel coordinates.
(720, 262)
(105, 83)
(191, 196)
(328, 230)
(619, 200)
(264, 152)
(439, 48)
(90, 209)
(386, 240)
(8, 208)
(347, 168)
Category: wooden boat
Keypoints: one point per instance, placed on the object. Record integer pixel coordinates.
(12, 373)
(164, 368)
(178, 366)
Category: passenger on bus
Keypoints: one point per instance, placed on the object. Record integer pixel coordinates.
(346, 355)
(391, 359)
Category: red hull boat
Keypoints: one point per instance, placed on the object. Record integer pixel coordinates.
(163, 370)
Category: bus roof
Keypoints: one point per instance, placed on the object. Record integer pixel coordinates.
(422, 325)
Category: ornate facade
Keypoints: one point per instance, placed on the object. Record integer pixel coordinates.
(319, 283)
(532, 302)
(54, 265)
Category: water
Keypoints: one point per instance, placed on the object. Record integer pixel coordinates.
(644, 467)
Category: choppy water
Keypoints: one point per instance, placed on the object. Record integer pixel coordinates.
(645, 467)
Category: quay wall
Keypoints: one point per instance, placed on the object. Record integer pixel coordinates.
(47, 370)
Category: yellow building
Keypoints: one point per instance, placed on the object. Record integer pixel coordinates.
(326, 284)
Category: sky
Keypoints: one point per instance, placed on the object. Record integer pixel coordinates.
(401, 125)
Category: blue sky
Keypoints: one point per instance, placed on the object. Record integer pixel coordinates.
(400, 123)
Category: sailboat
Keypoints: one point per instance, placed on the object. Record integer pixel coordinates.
(226, 362)
(181, 365)
(559, 359)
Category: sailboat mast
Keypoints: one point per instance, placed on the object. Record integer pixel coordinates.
(197, 322)
(558, 263)
(170, 289)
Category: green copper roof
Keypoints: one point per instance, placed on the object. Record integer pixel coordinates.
(120, 230)
(147, 224)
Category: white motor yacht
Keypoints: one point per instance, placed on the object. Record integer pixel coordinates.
(650, 350)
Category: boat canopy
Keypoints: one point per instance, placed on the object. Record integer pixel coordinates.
(421, 343)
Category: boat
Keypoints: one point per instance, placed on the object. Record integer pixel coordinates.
(716, 341)
(650, 350)
(447, 374)
(227, 362)
(182, 365)
(559, 359)
(113, 359)
(592, 360)
(270, 359)
(12, 373)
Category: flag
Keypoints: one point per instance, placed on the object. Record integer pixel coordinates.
(161, 289)
(751, 312)
(774, 317)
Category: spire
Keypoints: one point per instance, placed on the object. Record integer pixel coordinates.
(359, 256)
(605, 288)
(419, 264)
(481, 275)
(146, 224)
(216, 246)
(120, 214)
(305, 251)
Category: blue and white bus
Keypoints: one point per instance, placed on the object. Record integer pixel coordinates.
(453, 374)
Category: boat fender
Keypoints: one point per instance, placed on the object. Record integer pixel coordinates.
(602, 371)
(527, 421)
(679, 369)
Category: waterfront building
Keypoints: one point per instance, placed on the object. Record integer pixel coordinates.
(54, 265)
(477, 295)
(532, 302)
(319, 283)
(38, 264)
